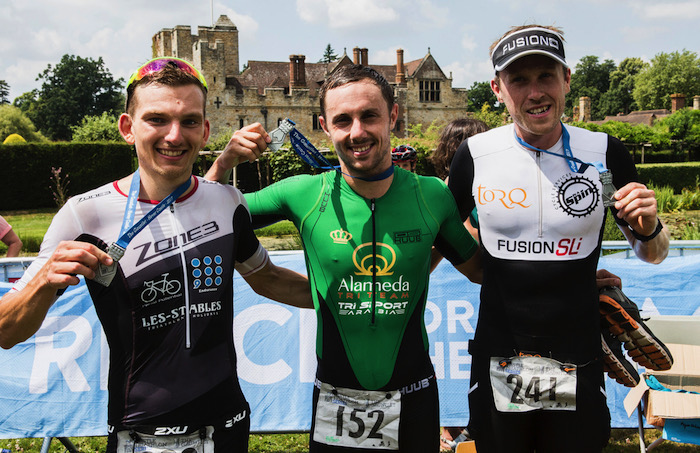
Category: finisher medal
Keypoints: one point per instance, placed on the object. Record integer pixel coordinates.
(278, 135)
(608, 189)
(105, 274)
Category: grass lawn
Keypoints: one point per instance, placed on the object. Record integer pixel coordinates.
(621, 441)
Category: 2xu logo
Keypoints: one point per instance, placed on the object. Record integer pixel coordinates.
(238, 418)
(170, 430)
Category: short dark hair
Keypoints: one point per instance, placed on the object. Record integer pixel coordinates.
(451, 137)
(355, 73)
(170, 76)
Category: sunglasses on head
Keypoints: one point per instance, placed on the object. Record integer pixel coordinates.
(158, 64)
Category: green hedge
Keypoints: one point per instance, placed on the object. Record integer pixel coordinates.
(679, 176)
(25, 173)
(25, 176)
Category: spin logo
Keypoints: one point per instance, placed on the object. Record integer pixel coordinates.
(576, 195)
(207, 272)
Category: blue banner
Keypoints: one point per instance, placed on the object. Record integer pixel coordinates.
(54, 384)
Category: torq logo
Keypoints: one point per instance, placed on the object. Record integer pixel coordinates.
(169, 430)
(510, 199)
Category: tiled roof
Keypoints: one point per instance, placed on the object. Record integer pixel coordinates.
(275, 74)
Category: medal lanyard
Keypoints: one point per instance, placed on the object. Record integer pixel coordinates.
(308, 152)
(568, 154)
(604, 174)
(129, 230)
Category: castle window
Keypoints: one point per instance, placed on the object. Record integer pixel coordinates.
(279, 121)
(429, 90)
(240, 123)
(314, 122)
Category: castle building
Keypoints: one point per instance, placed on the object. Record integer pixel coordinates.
(269, 91)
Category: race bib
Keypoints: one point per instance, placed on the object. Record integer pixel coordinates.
(357, 418)
(522, 384)
(170, 443)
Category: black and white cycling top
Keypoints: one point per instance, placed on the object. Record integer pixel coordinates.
(540, 227)
(168, 313)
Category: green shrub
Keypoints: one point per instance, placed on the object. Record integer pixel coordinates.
(89, 165)
(283, 228)
(611, 232)
(14, 139)
(665, 200)
(677, 175)
(689, 200)
(690, 232)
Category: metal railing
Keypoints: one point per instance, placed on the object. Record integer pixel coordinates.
(676, 248)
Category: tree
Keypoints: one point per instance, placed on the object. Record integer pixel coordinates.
(328, 55)
(591, 79)
(669, 73)
(72, 89)
(480, 93)
(14, 121)
(4, 92)
(97, 128)
(684, 125)
(618, 98)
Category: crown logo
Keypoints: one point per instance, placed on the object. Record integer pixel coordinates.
(340, 236)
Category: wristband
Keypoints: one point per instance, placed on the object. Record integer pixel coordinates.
(641, 237)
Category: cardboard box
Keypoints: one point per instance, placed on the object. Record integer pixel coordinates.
(683, 375)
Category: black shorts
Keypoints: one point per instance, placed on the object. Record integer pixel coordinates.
(419, 426)
(585, 430)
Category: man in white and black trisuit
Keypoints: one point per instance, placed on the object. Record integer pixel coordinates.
(163, 287)
(539, 189)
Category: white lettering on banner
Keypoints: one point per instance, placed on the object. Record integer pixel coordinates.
(459, 355)
(439, 359)
(56, 330)
(307, 345)
(466, 310)
(649, 308)
(247, 369)
(458, 312)
(432, 311)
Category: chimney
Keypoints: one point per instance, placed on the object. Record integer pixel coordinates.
(584, 105)
(400, 70)
(677, 102)
(297, 72)
(356, 55)
(363, 57)
(696, 102)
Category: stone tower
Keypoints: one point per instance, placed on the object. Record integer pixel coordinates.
(210, 44)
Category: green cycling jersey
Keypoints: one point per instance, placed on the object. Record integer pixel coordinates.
(368, 264)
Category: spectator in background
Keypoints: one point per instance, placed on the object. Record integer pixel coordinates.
(454, 133)
(405, 156)
(10, 238)
(451, 137)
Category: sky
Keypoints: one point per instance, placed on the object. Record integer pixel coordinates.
(458, 33)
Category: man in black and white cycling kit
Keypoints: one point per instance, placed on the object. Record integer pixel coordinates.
(537, 185)
(167, 313)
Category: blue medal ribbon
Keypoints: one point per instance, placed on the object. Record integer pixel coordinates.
(128, 229)
(568, 154)
(603, 173)
(312, 156)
